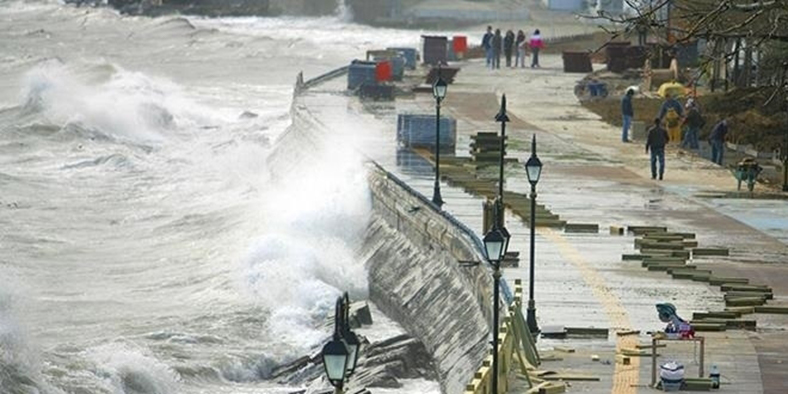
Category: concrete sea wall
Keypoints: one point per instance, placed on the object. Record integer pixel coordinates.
(412, 250)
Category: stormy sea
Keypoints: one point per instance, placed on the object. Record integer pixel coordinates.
(145, 245)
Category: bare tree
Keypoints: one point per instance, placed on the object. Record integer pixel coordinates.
(741, 32)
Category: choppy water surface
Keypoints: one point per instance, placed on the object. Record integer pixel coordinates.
(145, 248)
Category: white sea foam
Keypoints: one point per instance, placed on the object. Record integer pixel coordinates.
(104, 98)
(314, 220)
(128, 369)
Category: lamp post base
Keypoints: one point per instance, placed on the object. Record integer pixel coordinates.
(531, 317)
(436, 196)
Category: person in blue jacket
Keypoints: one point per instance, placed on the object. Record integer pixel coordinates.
(487, 46)
(627, 112)
(717, 140)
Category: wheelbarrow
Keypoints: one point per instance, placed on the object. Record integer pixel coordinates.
(747, 170)
(592, 89)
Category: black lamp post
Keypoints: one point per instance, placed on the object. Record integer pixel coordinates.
(533, 167)
(785, 143)
(439, 92)
(340, 355)
(495, 244)
(503, 118)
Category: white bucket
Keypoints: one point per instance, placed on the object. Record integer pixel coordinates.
(671, 375)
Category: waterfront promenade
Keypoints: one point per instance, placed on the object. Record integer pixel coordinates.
(590, 177)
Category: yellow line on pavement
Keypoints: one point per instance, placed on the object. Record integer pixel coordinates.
(625, 377)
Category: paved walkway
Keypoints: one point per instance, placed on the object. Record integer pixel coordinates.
(589, 177)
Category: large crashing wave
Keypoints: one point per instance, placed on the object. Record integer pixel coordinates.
(103, 99)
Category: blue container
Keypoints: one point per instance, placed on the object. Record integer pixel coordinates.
(450, 54)
(418, 131)
(360, 72)
(410, 55)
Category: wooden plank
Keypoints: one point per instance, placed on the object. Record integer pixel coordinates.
(581, 228)
(767, 295)
(629, 257)
(564, 349)
(670, 235)
(663, 263)
(587, 331)
(660, 246)
(719, 280)
(741, 287)
(745, 301)
(710, 252)
(744, 310)
(568, 377)
(783, 310)
(640, 230)
(709, 327)
(715, 315)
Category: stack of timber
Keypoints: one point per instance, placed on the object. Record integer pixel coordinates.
(661, 250)
(485, 149)
(461, 172)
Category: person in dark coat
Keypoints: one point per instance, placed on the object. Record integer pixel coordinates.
(655, 143)
(487, 46)
(694, 122)
(627, 113)
(497, 44)
(717, 140)
(508, 47)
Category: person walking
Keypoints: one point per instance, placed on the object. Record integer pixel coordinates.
(536, 45)
(520, 45)
(487, 46)
(671, 113)
(717, 140)
(694, 122)
(655, 144)
(627, 113)
(497, 44)
(508, 47)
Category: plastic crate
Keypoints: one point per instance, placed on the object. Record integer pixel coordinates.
(410, 55)
(418, 131)
(361, 72)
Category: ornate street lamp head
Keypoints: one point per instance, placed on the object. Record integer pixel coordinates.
(493, 244)
(335, 359)
(533, 167)
(439, 88)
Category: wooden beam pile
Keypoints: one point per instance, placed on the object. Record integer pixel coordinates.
(661, 250)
